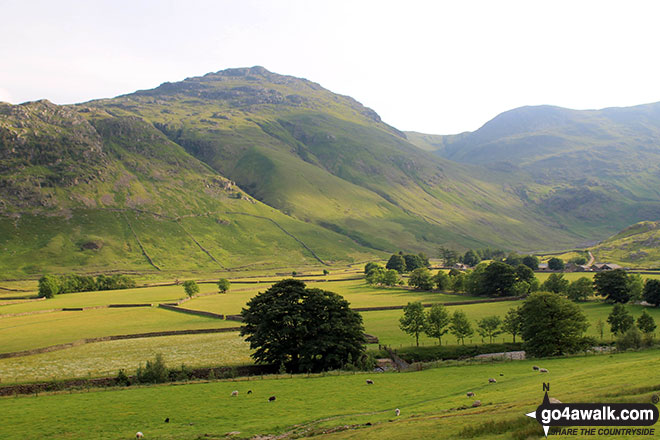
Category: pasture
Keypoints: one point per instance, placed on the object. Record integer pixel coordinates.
(431, 402)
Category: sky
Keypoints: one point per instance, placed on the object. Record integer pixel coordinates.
(437, 66)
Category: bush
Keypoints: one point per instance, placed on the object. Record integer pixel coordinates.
(223, 285)
(122, 378)
(190, 287)
(447, 352)
(49, 286)
(154, 371)
(632, 338)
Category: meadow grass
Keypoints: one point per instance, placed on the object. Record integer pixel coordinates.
(35, 331)
(429, 401)
(106, 358)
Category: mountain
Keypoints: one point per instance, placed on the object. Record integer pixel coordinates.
(595, 171)
(636, 246)
(83, 190)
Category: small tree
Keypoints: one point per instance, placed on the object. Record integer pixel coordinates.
(421, 279)
(326, 272)
(449, 256)
(524, 273)
(223, 285)
(613, 285)
(512, 323)
(460, 326)
(441, 280)
(458, 282)
(391, 278)
(600, 325)
(369, 266)
(190, 287)
(580, 289)
(646, 323)
(652, 292)
(631, 338)
(489, 327)
(620, 320)
(49, 286)
(471, 258)
(437, 320)
(413, 320)
(397, 263)
(635, 286)
(531, 261)
(555, 263)
(555, 283)
(375, 275)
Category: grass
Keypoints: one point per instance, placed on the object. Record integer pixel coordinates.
(428, 401)
(106, 358)
(35, 331)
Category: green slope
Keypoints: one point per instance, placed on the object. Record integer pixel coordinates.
(595, 171)
(86, 191)
(326, 159)
(636, 246)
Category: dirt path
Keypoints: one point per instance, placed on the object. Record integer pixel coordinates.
(591, 259)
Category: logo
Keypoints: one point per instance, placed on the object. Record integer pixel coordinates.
(596, 414)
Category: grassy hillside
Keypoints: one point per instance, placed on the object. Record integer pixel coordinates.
(432, 403)
(593, 170)
(636, 246)
(326, 159)
(87, 191)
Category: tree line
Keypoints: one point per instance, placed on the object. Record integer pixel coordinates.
(51, 285)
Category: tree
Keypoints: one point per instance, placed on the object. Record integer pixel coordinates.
(555, 263)
(326, 272)
(613, 285)
(471, 258)
(619, 319)
(458, 282)
(413, 320)
(460, 326)
(375, 275)
(524, 273)
(631, 338)
(513, 259)
(652, 292)
(223, 285)
(397, 263)
(437, 320)
(635, 286)
(369, 266)
(580, 289)
(580, 260)
(49, 286)
(449, 256)
(555, 283)
(498, 280)
(552, 325)
(303, 329)
(441, 280)
(190, 287)
(512, 323)
(420, 279)
(391, 278)
(600, 325)
(531, 261)
(646, 323)
(414, 262)
(489, 327)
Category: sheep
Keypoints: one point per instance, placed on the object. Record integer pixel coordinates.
(272, 398)
(501, 374)
(535, 368)
(370, 382)
(470, 394)
(249, 392)
(491, 380)
(543, 370)
(234, 393)
(139, 435)
(553, 400)
(397, 412)
(167, 420)
(476, 403)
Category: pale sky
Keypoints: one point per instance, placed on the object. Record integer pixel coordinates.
(431, 66)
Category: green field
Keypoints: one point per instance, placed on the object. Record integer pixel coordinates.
(428, 401)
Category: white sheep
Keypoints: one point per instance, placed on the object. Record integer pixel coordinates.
(476, 403)
(370, 382)
(470, 394)
(234, 393)
(543, 370)
(397, 412)
(491, 380)
(139, 435)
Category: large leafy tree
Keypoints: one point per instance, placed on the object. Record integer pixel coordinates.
(556, 283)
(555, 263)
(498, 279)
(421, 279)
(413, 320)
(471, 258)
(531, 261)
(302, 329)
(613, 285)
(397, 263)
(580, 289)
(552, 325)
